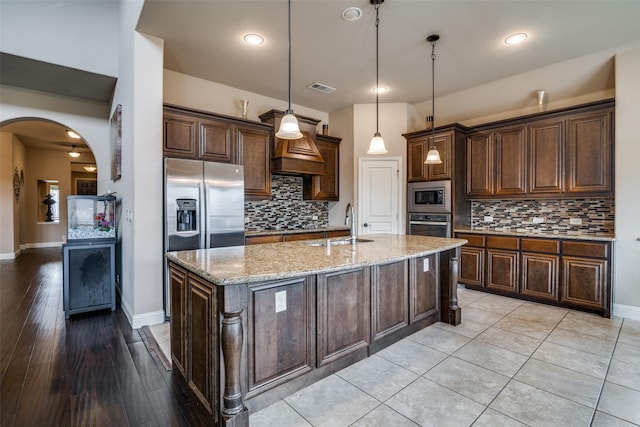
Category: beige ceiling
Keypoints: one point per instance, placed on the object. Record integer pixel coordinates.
(46, 135)
(204, 39)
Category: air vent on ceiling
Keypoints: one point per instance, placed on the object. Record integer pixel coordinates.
(321, 88)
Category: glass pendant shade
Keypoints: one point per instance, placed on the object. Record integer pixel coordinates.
(289, 128)
(433, 157)
(74, 152)
(377, 145)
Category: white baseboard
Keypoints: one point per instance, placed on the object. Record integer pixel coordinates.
(145, 319)
(626, 311)
(41, 245)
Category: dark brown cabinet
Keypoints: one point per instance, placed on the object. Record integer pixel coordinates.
(586, 275)
(589, 152)
(423, 288)
(564, 153)
(389, 298)
(327, 186)
(343, 313)
(573, 274)
(417, 149)
(179, 312)
(281, 332)
(206, 136)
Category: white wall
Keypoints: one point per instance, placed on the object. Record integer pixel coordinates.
(627, 247)
(193, 92)
(76, 34)
(341, 126)
(8, 246)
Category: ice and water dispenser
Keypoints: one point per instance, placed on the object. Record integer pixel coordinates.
(186, 214)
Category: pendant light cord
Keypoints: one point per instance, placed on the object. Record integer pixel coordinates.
(377, 61)
(433, 40)
(289, 36)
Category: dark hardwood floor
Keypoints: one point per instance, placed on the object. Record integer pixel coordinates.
(92, 369)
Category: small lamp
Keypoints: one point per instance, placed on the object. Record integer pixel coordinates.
(74, 152)
(433, 156)
(376, 146)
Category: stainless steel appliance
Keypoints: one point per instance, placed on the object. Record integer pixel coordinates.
(435, 225)
(429, 197)
(204, 207)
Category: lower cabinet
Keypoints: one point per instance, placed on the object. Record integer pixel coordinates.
(178, 327)
(343, 313)
(423, 287)
(570, 273)
(281, 332)
(389, 298)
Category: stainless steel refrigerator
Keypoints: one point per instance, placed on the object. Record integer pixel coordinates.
(203, 208)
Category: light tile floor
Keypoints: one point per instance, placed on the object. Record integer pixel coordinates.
(510, 363)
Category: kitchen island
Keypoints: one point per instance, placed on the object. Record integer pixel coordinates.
(252, 324)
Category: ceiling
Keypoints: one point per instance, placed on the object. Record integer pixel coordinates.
(204, 39)
(41, 134)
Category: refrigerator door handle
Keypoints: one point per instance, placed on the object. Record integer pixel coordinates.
(204, 235)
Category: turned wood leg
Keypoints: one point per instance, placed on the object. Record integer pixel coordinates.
(231, 350)
(454, 310)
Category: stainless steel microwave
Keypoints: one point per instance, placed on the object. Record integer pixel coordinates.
(429, 196)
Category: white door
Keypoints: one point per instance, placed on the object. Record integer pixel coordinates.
(379, 195)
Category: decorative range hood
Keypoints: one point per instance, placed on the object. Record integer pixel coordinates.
(295, 156)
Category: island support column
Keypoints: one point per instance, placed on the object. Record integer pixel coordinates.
(449, 272)
(233, 303)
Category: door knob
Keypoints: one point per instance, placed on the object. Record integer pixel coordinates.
(365, 224)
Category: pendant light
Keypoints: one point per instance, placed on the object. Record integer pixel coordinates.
(289, 128)
(74, 152)
(377, 143)
(433, 156)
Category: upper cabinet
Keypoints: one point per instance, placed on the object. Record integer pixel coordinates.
(565, 153)
(212, 137)
(325, 187)
(418, 145)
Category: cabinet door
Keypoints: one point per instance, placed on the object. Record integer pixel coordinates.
(202, 361)
(480, 164)
(423, 287)
(343, 314)
(389, 298)
(327, 186)
(281, 333)
(471, 266)
(254, 146)
(546, 157)
(216, 144)
(589, 153)
(444, 145)
(179, 135)
(179, 310)
(584, 282)
(502, 270)
(540, 275)
(416, 154)
(511, 161)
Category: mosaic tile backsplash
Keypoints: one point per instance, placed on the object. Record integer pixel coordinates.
(286, 210)
(597, 215)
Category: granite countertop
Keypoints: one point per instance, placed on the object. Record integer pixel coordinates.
(272, 261)
(296, 231)
(559, 235)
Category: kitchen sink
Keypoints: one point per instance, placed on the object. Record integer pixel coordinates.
(337, 242)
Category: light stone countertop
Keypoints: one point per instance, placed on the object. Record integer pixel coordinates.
(564, 235)
(272, 261)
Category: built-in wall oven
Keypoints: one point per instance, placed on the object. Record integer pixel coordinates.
(429, 208)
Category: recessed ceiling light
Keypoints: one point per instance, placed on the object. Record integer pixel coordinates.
(254, 39)
(351, 14)
(380, 89)
(72, 134)
(515, 38)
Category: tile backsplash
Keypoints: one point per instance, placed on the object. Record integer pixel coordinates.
(595, 215)
(286, 210)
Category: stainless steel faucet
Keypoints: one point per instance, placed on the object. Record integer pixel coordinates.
(350, 219)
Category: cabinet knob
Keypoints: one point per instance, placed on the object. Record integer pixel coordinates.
(366, 225)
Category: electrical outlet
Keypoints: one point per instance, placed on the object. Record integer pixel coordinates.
(575, 221)
(537, 220)
(281, 301)
(314, 217)
(425, 265)
(488, 218)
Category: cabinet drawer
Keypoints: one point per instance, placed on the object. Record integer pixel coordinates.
(473, 239)
(495, 242)
(256, 240)
(539, 245)
(338, 233)
(585, 249)
(303, 236)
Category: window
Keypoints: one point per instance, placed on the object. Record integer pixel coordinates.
(48, 201)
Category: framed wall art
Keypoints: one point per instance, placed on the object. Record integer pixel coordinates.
(116, 143)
